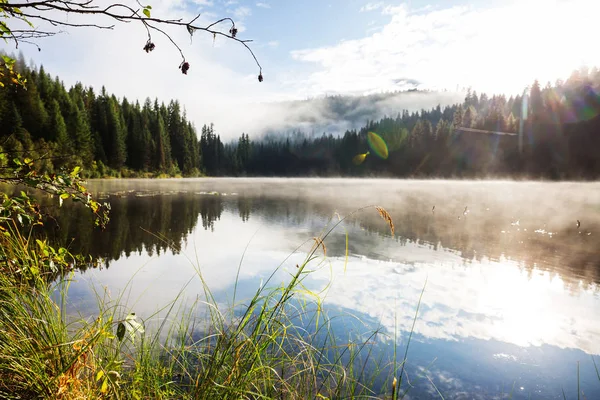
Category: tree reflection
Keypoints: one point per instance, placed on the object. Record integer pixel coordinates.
(155, 223)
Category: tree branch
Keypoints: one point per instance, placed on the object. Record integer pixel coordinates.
(117, 11)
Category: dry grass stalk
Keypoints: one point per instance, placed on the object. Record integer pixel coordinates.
(320, 242)
(387, 217)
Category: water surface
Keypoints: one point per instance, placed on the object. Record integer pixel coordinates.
(511, 302)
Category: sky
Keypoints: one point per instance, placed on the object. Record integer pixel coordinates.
(312, 48)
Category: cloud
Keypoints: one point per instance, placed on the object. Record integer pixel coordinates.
(481, 309)
(208, 3)
(263, 5)
(371, 7)
(273, 43)
(242, 12)
(501, 48)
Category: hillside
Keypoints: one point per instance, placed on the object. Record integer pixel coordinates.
(552, 132)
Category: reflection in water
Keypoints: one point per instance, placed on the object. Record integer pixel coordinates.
(533, 224)
(512, 292)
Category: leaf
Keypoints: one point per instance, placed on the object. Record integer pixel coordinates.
(149, 7)
(120, 331)
(99, 375)
(104, 387)
(378, 145)
(146, 12)
(133, 326)
(75, 171)
(64, 196)
(114, 377)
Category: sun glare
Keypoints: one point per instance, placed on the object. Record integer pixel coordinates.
(512, 45)
(523, 306)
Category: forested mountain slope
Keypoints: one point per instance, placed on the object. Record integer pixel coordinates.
(550, 132)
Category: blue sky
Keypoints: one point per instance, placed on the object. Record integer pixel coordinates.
(310, 48)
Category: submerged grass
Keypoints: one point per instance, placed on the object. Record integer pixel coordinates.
(278, 344)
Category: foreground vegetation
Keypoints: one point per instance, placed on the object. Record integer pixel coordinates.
(269, 346)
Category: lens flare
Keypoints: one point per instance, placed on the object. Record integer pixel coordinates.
(377, 144)
(360, 158)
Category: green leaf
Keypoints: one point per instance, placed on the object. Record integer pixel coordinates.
(114, 377)
(149, 7)
(64, 196)
(120, 331)
(133, 326)
(75, 171)
(146, 12)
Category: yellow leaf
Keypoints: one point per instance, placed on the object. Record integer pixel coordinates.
(104, 387)
(99, 375)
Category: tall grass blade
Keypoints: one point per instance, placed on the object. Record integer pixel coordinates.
(412, 329)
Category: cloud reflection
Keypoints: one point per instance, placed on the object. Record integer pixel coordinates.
(489, 300)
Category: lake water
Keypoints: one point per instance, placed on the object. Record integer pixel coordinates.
(510, 307)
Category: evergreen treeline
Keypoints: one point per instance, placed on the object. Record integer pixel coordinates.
(107, 136)
(549, 132)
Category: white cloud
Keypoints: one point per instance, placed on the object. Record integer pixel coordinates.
(481, 309)
(263, 5)
(273, 43)
(502, 48)
(208, 3)
(371, 7)
(242, 12)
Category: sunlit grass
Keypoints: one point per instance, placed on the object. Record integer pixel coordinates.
(278, 344)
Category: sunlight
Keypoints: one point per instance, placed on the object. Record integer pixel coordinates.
(547, 41)
(524, 305)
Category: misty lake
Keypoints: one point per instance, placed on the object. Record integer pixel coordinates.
(511, 302)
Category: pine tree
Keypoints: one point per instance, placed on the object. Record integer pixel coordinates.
(469, 117)
(58, 129)
(536, 102)
(458, 116)
(79, 131)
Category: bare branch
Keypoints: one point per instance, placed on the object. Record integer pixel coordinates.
(117, 11)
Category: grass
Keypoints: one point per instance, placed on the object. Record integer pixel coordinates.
(278, 344)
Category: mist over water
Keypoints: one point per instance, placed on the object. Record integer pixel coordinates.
(331, 114)
(512, 280)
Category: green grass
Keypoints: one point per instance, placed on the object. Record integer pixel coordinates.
(277, 344)
(257, 348)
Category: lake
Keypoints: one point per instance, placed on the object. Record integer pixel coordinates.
(510, 270)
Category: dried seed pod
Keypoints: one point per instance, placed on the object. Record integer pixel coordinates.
(149, 46)
(233, 31)
(185, 66)
(260, 77)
